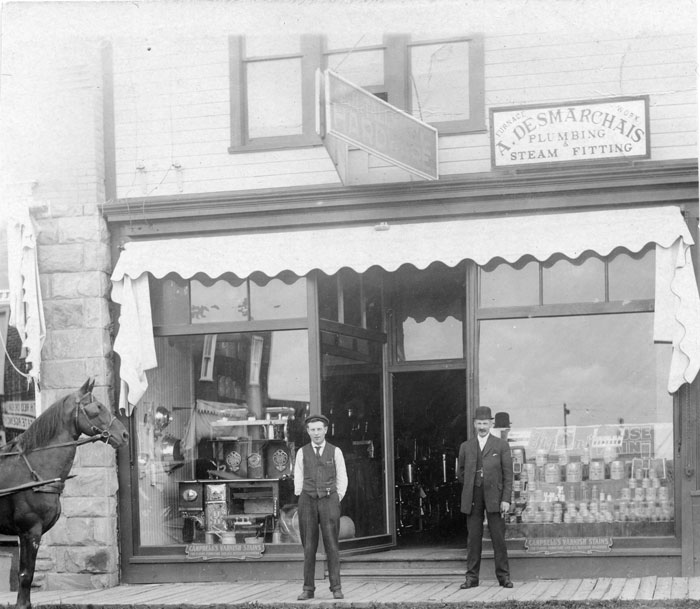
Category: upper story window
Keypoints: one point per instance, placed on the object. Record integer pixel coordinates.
(273, 88)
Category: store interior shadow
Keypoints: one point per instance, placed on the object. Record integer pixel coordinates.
(430, 423)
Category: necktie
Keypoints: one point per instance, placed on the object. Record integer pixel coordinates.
(318, 452)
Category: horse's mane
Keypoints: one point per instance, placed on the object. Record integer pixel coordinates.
(42, 429)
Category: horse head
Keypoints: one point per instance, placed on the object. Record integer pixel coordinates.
(92, 418)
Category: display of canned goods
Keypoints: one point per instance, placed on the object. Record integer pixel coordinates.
(574, 472)
(617, 470)
(552, 473)
(596, 470)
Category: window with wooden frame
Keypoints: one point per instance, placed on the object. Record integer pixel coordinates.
(273, 91)
(566, 357)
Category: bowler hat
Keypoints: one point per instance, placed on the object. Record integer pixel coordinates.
(502, 420)
(316, 417)
(482, 413)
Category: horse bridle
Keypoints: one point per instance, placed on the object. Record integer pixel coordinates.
(98, 434)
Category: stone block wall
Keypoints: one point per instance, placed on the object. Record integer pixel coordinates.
(59, 174)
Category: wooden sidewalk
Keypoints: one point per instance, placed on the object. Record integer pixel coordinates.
(618, 592)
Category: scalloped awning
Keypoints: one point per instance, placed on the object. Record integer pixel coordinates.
(448, 241)
(677, 318)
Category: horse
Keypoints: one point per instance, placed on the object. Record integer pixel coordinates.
(35, 465)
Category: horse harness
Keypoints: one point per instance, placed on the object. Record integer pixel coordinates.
(57, 485)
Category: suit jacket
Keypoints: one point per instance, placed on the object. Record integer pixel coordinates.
(498, 472)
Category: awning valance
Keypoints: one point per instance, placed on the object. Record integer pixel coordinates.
(677, 315)
(448, 241)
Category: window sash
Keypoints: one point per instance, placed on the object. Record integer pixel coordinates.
(313, 56)
(310, 56)
(476, 120)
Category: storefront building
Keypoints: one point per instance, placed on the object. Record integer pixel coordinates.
(261, 272)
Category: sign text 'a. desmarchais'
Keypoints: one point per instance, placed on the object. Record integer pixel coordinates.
(581, 131)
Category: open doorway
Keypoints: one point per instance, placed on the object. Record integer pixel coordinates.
(430, 423)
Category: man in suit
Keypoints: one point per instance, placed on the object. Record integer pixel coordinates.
(320, 482)
(486, 472)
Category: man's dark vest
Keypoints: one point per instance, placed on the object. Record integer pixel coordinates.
(319, 473)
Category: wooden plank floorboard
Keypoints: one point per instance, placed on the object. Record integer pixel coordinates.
(167, 595)
(389, 593)
(286, 591)
(662, 591)
(122, 593)
(583, 590)
(486, 590)
(630, 589)
(613, 592)
(359, 592)
(646, 589)
(534, 591)
(226, 593)
(412, 591)
(694, 588)
(601, 587)
(369, 591)
(250, 592)
(679, 588)
(569, 588)
(437, 590)
(553, 590)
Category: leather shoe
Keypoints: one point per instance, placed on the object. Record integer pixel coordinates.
(506, 583)
(470, 583)
(338, 594)
(305, 595)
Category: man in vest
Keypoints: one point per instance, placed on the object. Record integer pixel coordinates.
(486, 472)
(320, 482)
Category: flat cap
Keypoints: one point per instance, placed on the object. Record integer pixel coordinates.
(316, 417)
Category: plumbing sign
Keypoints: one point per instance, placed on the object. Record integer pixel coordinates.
(579, 131)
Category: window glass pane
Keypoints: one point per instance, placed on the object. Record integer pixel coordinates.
(598, 400)
(348, 39)
(582, 280)
(362, 68)
(352, 310)
(278, 299)
(440, 81)
(352, 400)
(432, 339)
(206, 410)
(264, 46)
(218, 301)
(428, 307)
(274, 98)
(505, 285)
(170, 300)
(328, 297)
(632, 276)
(372, 282)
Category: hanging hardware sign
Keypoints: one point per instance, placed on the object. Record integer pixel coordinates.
(580, 131)
(359, 118)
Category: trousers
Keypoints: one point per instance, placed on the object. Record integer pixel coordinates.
(324, 513)
(475, 532)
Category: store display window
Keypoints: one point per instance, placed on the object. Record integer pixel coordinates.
(580, 392)
(216, 432)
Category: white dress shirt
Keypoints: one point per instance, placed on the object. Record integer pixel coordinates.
(341, 473)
